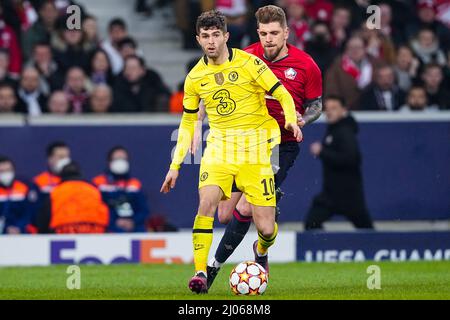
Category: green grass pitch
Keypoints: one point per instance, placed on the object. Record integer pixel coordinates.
(401, 280)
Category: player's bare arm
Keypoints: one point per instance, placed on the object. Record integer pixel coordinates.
(197, 140)
(313, 110)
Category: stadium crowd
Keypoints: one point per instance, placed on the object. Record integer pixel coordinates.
(47, 68)
(113, 201)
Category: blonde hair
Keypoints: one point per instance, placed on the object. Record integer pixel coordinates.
(270, 14)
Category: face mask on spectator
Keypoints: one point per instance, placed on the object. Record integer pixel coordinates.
(6, 178)
(60, 164)
(119, 166)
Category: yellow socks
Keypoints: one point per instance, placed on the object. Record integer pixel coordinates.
(265, 243)
(202, 235)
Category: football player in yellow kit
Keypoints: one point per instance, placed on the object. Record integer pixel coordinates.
(232, 85)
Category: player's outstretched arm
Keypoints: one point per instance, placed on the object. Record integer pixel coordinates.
(191, 101)
(313, 110)
(287, 103)
(197, 140)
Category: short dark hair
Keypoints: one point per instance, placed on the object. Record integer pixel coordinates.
(140, 59)
(7, 85)
(117, 22)
(213, 19)
(41, 44)
(114, 149)
(71, 171)
(127, 41)
(270, 14)
(43, 3)
(336, 97)
(53, 146)
(431, 65)
(4, 159)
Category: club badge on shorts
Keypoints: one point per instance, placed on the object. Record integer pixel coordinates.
(290, 74)
(219, 78)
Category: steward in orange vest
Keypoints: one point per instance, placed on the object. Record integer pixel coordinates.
(74, 206)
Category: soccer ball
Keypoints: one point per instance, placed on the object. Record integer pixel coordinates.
(248, 278)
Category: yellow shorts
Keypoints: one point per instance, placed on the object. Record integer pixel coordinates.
(256, 181)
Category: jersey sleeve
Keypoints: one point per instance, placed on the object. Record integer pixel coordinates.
(191, 99)
(269, 82)
(313, 85)
(187, 125)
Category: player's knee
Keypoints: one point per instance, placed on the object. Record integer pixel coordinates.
(224, 214)
(207, 207)
(245, 209)
(267, 231)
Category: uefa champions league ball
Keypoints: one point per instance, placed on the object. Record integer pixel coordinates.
(248, 278)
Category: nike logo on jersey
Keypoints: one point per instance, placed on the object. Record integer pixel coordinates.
(268, 199)
(203, 84)
(198, 246)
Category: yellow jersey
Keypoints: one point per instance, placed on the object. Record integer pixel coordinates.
(234, 97)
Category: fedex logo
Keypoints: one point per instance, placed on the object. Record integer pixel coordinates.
(141, 251)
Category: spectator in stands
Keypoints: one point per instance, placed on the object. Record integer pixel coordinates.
(74, 206)
(417, 101)
(8, 99)
(128, 47)
(298, 24)
(30, 94)
(122, 193)
(77, 90)
(351, 73)
(5, 75)
(43, 29)
(437, 93)
(342, 191)
(235, 12)
(319, 46)
(405, 68)
(319, 10)
(15, 206)
(426, 19)
(383, 94)
(117, 30)
(100, 71)
(90, 31)
(10, 41)
(378, 45)
(340, 26)
(70, 48)
(9, 12)
(426, 48)
(58, 155)
(101, 99)
(50, 76)
(58, 103)
(139, 89)
(388, 28)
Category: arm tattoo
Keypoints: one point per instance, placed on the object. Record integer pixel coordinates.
(313, 110)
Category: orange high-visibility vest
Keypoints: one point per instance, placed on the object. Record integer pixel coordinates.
(77, 207)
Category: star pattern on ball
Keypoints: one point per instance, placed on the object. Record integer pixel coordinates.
(244, 276)
(263, 277)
